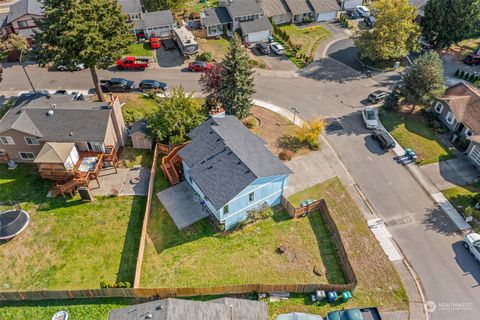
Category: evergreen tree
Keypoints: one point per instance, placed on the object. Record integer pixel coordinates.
(395, 33)
(92, 32)
(238, 83)
(423, 81)
(446, 22)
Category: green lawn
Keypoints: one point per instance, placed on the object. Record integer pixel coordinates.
(68, 244)
(195, 6)
(218, 47)
(378, 282)
(309, 38)
(198, 256)
(139, 50)
(130, 157)
(84, 309)
(136, 106)
(411, 132)
(462, 197)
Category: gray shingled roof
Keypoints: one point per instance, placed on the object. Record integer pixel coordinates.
(71, 120)
(3, 19)
(158, 18)
(324, 5)
(138, 126)
(260, 24)
(240, 8)
(223, 151)
(298, 6)
(24, 7)
(273, 8)
(215, 16)
(131, 6)
(178, 309)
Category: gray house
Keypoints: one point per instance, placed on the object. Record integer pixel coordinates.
(277, 10)
(178, 309)
(459, 110)
(324, 10)
(301, 10)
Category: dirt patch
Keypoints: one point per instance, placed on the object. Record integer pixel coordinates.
(463, 49)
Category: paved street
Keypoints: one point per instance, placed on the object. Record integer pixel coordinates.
(331, 89)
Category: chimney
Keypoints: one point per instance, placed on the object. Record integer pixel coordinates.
(217, 113)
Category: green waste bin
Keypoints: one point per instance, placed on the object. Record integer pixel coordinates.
(345, 296)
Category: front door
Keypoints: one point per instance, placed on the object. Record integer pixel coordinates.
(96, 146)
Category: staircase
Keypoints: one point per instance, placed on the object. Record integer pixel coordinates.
(68, 187)
(170, 163)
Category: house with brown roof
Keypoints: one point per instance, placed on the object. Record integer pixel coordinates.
(459, 110)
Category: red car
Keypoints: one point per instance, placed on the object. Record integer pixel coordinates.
(154, 43)
(472, 59)
(199, 66)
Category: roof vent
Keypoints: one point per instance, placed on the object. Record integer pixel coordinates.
(239, 163)
(160, 307)
(211, 167)
(71, 133)
(247, 172)
(148, 316)
(50, 112)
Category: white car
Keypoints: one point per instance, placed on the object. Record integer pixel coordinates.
(277, 48)
(363, 11)
(370, 118)
(472, 242)
(77, 67)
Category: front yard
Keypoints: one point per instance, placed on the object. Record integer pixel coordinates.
(68, 244)
(309, 38)
(412, 131)
(141, 49)
(218, 47)
(463, 197)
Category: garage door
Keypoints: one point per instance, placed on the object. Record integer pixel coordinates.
(258, 36)
(475, 155)
(326, 16)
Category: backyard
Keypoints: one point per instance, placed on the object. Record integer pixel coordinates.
(412, 131)
(68, 244)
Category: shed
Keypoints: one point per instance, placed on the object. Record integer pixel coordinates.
(57, 156)
(138, 134)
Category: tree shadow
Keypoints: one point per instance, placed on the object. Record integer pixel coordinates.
(437, 220)
(290, 142)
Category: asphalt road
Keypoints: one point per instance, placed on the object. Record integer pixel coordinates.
(331, 89)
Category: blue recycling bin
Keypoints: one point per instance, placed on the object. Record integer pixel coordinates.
(331, 296)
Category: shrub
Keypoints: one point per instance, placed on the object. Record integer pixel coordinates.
(310, 131)
(132, 115)
(285, 155)
(466, 76)
(391, 101)
(313, 145)
(457, 73)
(250, 122)
(472, 77)
(462, 73)
(206, 56)
(103, 284)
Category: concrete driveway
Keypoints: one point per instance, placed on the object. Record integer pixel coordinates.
(344, 51)
(169, 58)
(452, 173)
(274, 62)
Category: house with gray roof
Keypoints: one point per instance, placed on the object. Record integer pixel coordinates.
(324, 10)
(301, 10)
(277, 10)
(232, 170)
(38, 119)
(20, 18)
(178, 309)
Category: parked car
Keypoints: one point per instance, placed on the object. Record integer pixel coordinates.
(377, 96)
(355, 314)
(471, 242)
(117, 85)
(352, 14)
(369, 21)
(472, 59)
(133, 63)
(363, 11)
(386, 142)
(75, 67)
(146, 85)
(262, 48)
(154, 43)
(277, 48)
(199, 66)
(370, 118)
(168, 44)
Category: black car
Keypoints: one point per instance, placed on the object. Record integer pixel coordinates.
(117, 85)
(352, 14)
(168, 44)
(262, 48)
(146, 85)
(386, 142)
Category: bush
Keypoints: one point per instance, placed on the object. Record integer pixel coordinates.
(206, 56)
(391, 101)
(250, 122)
(466, 76)
(121, 284)
(310, 131)
(132, 115)
(285, 155)
(462, 73)
(457, 73)
(12, 46)
(472, 78)
(313, 145)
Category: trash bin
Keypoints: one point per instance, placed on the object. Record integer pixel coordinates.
(320, 295)
(345, 296)
(331, 296)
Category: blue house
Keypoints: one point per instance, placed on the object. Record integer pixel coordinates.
(232, 170)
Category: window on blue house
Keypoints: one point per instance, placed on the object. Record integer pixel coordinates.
(251, 196)
(225, 209)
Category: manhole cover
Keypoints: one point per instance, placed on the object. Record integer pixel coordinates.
(398, 221)
(333, 126)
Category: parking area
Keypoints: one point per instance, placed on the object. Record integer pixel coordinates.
(344, 51)
(169, 58)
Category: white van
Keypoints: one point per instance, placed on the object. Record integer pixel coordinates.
(363, 11)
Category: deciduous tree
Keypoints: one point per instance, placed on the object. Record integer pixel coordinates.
(211, 81)
(12, 46)
(394, 35)
(238, 83)
(177, 115)
(92, 32)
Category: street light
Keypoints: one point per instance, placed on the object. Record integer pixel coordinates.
(295, 112)
(25, 70)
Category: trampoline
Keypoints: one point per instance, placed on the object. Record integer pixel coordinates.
(12, 222)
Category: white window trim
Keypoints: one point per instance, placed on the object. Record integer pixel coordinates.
(8, 138)
(467, 131)
(448, 115)
(437, 105)
(31, 144)
(31, 159)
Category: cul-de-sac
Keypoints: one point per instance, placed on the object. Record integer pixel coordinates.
(239, 159)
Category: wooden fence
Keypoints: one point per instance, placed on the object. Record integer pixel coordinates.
(141, 247)
(299, 212)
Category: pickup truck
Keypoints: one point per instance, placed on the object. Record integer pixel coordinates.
(133, 63)
(117, 85)
(355, 314)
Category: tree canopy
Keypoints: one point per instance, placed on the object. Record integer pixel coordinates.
(156, 5)
(423, 81)
(238, 84)
(177, 115)
(211, 81)
(446, 22)
(394, 35)
(92, 32)
(12, 46)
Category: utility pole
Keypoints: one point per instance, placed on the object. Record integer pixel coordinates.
(26, 73)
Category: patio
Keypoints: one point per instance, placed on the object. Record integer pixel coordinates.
(124, 182)
(182, 204)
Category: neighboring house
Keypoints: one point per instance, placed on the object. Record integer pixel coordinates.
(241, 11)
(138, 134)
(178, 309)
(232, 170)
(301, 10)
(350, 4)
(216, 20)
(38, 119)
(459, 110)
(158, 23)
(324, 10)
(133, 11)
(20, 19)
(276, 10)
(5, 29)
(257, 30)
